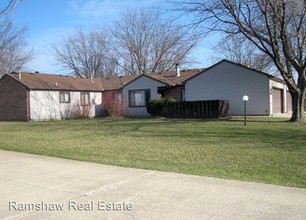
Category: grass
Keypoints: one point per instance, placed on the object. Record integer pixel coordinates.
(267, 150)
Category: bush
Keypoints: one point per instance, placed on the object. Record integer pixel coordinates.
(80, 111)
(156, 107)
(113, 108)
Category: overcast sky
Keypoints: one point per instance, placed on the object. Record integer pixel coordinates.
(49, 20)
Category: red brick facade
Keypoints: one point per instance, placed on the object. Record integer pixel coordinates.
(174, 92)
(13, 100)
(108, 96)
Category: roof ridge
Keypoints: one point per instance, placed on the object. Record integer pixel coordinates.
(66, 81)
(41, 81)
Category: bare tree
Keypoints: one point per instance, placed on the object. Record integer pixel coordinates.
(144, 42)
(14, 54)
(240, 50)
(275, 27)
(86, 54)
(7, 6)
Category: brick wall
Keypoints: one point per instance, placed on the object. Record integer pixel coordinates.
(108, 96)
(173, 92)
(13, 100)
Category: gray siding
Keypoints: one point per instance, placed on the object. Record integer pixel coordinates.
(142, 82)
(230, 82)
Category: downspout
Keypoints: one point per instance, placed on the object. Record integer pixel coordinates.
(28, 105)
(270, 98)
(285, 110)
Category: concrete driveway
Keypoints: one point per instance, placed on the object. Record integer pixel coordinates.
(38, 187)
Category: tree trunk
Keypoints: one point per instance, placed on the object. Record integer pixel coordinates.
(298, 106)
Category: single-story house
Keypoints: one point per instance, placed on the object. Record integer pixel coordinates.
(226, 80)
(35, 96)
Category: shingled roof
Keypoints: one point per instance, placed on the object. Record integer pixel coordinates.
(38, 81)
(170, 76)
(41, 81)
(116, 82)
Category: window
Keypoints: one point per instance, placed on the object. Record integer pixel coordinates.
(139, 98)
(64, 97)
(117, 96)
(85, 98)
(183, 94)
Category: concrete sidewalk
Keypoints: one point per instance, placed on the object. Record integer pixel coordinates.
(38, 187)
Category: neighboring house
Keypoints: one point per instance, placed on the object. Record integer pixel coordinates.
(225, 80)
(230, 81)
(35, 96)
(139, 92)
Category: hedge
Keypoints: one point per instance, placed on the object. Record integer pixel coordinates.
(156, 107)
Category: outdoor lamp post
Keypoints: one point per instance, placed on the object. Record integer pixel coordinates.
(245, 98)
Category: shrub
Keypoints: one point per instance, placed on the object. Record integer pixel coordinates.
(114, 108)
(156, 107)
(80, 111)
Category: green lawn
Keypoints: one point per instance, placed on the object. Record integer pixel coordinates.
(267, 150)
